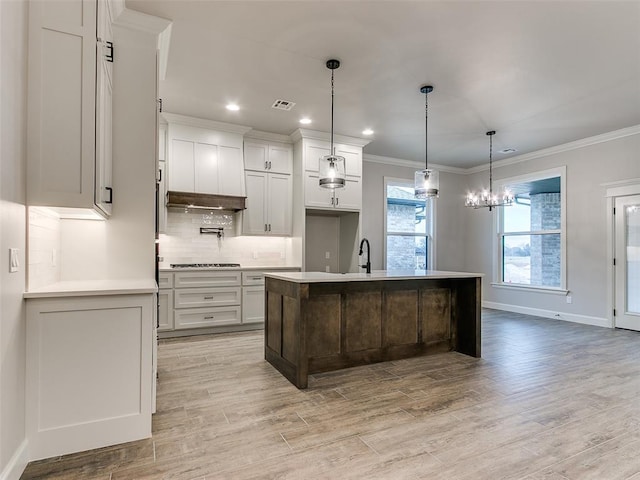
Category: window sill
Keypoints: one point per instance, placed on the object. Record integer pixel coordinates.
(530, 288)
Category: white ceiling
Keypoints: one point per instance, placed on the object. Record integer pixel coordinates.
(540, 73)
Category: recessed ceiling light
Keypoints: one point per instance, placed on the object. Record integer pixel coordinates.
(367, 131)
(233, 107)
(305, 121)
(508, 150)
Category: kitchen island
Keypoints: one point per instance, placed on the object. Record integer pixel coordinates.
(318, 322)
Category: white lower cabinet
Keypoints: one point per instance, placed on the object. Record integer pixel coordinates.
(253, 304)
(205, 301)
(89, 372)
(207, 317)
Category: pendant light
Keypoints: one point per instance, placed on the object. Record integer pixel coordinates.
(487, 199)
(427, 181)
(332, 167)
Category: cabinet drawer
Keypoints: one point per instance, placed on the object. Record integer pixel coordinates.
(252, 278)
(205, 297)
(165, 280)
(206, 279)
(207, 317)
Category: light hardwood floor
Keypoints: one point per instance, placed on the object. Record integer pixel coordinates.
(548, 400)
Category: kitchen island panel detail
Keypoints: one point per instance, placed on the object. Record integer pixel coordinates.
(324, 326)
(401, 317)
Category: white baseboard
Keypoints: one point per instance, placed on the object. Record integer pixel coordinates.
(538, 312)
(17, 463)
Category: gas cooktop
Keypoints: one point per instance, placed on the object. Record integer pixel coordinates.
(203, 265)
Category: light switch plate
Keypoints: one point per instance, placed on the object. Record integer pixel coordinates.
(14, 262)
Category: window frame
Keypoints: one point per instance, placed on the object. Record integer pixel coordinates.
(499, 234)
(430, 224)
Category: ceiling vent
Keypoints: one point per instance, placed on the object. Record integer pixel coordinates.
(283, 105)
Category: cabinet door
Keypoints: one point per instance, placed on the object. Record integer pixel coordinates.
(165, 314)
(352, 159)
(104, 158)
(61, 103)
(254, 218)
(255, 156)
(314, 194)
(230, 171)
(181, 166)
(253, 304)
(279, 204)
(162, 198)
(280, 158)
(349, 197)
(312, 155)
(206, 168)
(162, 143)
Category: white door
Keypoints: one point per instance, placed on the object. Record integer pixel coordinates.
(349, 197)
(280, 159)
(255, 156)
(627, 262)
(279, 204)
(314, 194)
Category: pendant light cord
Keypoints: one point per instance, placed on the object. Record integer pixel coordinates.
(490, 166)
(426, 130)
(332, 152)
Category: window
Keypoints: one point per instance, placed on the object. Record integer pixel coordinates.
(531, 232)
(408, 227)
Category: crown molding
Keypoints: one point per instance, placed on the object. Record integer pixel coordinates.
(566, 147)
(268, 136)
(301, 133)
(141, 21)
(204, 123)
(410, 164)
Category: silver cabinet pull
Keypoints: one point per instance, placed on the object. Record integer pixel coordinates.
(269, 227)
(211, 317)
(266, 165)
(208, 298)
(269, 164)
(265, 227)
(337, 201)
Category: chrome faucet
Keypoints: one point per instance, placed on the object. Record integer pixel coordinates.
(368, 264)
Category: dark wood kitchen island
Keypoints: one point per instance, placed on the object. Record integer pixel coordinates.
(318, 322)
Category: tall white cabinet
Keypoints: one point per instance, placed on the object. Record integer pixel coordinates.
(268, 178)
(69, 104)
(342, 204)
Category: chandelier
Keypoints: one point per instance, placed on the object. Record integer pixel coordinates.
(331, 167)
(427, 182)
(487, 199)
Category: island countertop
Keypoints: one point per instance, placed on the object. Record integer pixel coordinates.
(376, 275)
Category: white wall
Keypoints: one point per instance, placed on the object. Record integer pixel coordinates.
(13, 81)
(588, 168)
(450, 228)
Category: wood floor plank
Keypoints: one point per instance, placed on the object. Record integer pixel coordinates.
(549, 400)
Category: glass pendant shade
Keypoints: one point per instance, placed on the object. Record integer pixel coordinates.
(427, 183)
(332, 171)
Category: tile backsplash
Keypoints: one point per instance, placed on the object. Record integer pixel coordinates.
(44, 247)
(182, 241)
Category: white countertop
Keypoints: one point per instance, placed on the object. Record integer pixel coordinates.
(265, 268)
(376, 275)
(83, 288)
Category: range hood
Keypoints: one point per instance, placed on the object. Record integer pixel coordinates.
(205, 201)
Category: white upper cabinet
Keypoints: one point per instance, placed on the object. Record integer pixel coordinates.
(308, 151)
(203, 159)
(316, 149)
(269, 204)
(270, 157)
(69, 104)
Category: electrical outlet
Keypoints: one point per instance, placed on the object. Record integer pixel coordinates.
(327, 269)
(327, 255)
(569, 299)
(14, 262)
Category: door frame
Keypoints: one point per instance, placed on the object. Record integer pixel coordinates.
(614, 190)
